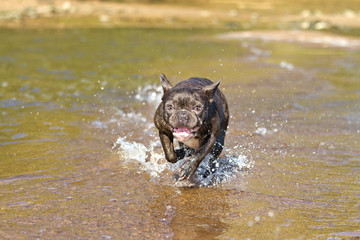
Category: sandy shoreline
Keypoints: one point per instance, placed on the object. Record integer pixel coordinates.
(16, 13)
(60, 14)
(72, 13)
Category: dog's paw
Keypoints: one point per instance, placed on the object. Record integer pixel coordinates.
(186, 170)
(180, 153)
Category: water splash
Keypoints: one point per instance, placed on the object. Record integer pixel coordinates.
(150, 94)
(150, 154)
(150, 160)
(131, 150)
(154, 163)
(225, 170)
(262, 131)
(286, 65)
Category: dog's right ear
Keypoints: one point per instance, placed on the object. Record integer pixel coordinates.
(211, 89)
(166, 85)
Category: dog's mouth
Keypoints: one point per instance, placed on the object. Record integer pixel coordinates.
(184, 133)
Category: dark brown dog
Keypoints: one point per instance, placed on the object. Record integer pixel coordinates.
(195, 112)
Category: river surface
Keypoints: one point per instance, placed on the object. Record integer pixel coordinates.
(80, 157)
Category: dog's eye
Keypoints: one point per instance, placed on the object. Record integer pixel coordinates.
(170, 107)
(197, 108)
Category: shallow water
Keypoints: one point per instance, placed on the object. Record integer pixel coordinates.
(80, 157)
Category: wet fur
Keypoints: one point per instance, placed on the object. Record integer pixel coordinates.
(213, 122)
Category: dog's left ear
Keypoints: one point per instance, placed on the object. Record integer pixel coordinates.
(211, 89)
(166, 85)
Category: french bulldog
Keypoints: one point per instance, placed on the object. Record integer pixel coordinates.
(196, 113)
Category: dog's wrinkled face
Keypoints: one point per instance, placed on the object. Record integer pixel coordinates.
(184, 111)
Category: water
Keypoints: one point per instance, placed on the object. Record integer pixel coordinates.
(81, 159)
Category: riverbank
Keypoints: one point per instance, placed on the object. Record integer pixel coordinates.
(205, 14)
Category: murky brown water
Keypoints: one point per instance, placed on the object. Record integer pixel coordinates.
(80, 157)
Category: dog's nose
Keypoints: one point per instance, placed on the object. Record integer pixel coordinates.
(183, 117)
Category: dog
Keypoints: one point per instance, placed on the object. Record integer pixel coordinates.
(196, 113)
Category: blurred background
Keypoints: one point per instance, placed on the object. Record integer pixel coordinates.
(80, 157)
(334, 15)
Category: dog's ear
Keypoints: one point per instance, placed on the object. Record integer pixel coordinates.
(211, 89)
(166, 85)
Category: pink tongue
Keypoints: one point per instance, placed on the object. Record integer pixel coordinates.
(182, 133)
(182, 130)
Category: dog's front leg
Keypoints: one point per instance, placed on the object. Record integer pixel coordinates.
(171, 154)
(191, 163)
(168, 147)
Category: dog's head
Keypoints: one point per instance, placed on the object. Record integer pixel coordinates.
(186, 107)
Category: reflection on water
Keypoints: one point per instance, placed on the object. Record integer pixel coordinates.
(80, 157)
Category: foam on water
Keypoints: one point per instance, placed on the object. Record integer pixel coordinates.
(150, 160)
(150, 155)
(226, 168)
(153, 162)
(150, 94)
